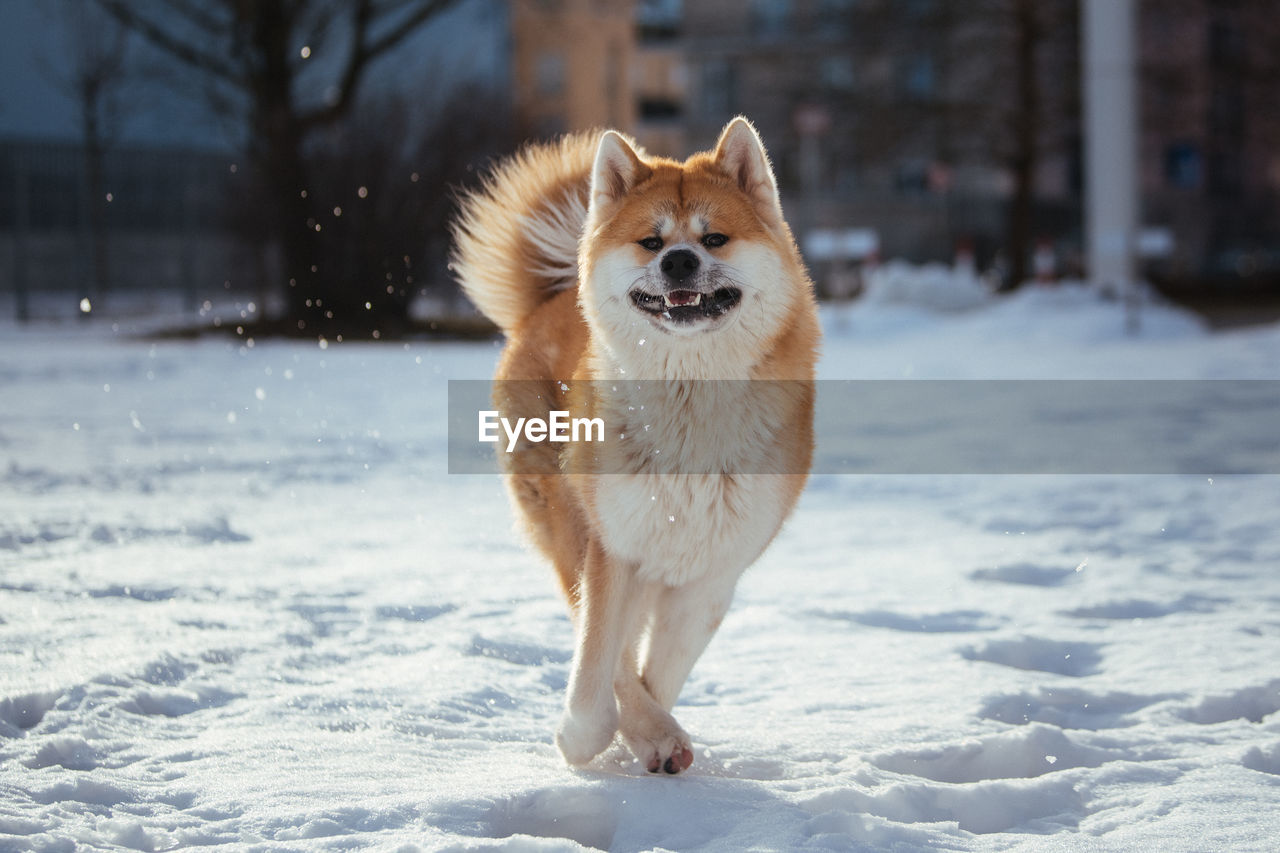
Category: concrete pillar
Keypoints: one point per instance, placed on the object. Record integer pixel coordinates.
(1108, 30)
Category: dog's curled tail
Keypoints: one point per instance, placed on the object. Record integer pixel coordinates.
(515, 239)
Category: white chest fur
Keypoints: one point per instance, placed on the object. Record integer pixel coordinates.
(691, 499)
(677, 528)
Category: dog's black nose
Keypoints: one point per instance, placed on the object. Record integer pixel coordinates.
(679, 264)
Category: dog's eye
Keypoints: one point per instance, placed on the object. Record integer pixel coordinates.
(714, 241)
(653, 244)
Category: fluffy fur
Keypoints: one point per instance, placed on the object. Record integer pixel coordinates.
(601, 263)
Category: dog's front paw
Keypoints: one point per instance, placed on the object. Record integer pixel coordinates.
(581, 737)
(658, 742)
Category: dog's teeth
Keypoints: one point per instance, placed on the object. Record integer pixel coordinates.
(696, 300)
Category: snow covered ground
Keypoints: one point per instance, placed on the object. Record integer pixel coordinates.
(242, 605)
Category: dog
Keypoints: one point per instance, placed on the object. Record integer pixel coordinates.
(681, 282)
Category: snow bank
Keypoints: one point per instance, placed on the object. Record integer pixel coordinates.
(932, 286)
(1062, 331)
(1067, 309)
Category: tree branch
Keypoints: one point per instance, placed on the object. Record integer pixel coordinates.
(356, 61)
(407, 25)
(318, 21)
(367, 16)
(201, 18)
(176, 47)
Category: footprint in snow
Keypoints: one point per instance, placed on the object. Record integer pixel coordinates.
(69, 751)
(137, 593)
(414, 612)
(1023, 754)
(1046, 802)
(1039, 654)
(584, 816)
(25, 711)
(177, 703)
(1026, 574)
(954, 621)
(1248, 703)
(486, 702)
(519, 653)
(1069, 708)
(1141, 609)
(1263, 759)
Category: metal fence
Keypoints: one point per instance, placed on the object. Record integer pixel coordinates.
(159, 220)
(47, 187)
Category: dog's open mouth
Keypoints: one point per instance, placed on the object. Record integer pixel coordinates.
(686, 306)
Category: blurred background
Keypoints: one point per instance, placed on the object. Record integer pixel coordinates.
(290, 165)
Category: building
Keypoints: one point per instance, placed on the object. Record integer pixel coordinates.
(660, 79)
(580, 64)
(860, 102)
(1210, 144)
(571, 64)
(929, 120)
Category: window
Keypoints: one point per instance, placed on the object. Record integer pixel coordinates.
(659, 20)
(835, 17)
(920, 8)
(1182, 165)
(836, 73)
(918, 77)
(658, 109)
(911, 177)
(1226, 110)
(1226, 173)
(770, 18)
(1226, 44)
(719, 100)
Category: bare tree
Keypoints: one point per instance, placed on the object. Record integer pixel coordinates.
(387, 201)
(95, 77)
(1015, 101)
(1027, 113)
(286, 69)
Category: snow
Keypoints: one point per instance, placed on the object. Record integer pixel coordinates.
(243, 605)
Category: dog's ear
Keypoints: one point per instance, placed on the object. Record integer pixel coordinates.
(740, 154)
(617, 168)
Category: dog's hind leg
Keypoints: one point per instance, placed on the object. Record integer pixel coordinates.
(553, 525)
(605, 621)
